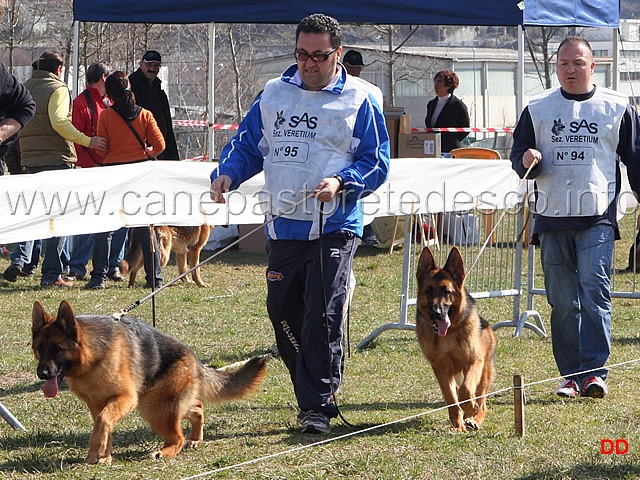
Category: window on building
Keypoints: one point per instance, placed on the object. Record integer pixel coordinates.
(501, 81)
(629, 76)
(470, 83)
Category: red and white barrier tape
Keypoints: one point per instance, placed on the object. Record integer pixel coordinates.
(199, 158)
(465, 129)
(202, 123)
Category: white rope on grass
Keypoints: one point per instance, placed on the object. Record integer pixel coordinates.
(340, 437)
(383, 425)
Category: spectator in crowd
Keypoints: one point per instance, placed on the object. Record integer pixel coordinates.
(341, 143)
(46, 144)
(16, 109)
(133, 136)
(447, 110)
(147, 88)
(572, 138)
(353, 62)
(86, 108)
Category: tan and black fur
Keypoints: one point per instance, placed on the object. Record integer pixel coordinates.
(457, 342)
(186, 242)
(116, 366)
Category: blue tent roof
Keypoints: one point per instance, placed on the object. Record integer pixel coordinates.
(587, 13)
(395, 12)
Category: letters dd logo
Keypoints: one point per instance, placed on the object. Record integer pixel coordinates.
(619, 446)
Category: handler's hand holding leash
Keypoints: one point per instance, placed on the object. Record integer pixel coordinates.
(530, 159)
(328, 188)
(219, 186)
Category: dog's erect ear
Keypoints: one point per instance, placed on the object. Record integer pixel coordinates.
(67, 320)
(39, 318)
(455, 266)
(426, 263)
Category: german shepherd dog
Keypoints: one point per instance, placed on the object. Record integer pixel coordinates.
(116, 366)
(457, 342)
(185, 242)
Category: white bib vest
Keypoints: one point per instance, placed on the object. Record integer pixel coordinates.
(309, 136)
(578, 141)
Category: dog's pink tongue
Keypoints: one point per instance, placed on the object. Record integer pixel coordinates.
(443, 326)
(50, 387)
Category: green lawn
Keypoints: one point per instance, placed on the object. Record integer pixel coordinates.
(386, 383)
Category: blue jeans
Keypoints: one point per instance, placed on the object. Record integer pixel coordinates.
(83, 246)
(577, 266)
(53, 262)
(101, 249)
(27, 255)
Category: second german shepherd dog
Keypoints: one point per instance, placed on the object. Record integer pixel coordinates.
(116, 366)
(186, 242)
(458, 343)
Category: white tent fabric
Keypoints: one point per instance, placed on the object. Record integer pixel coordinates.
(60, 203)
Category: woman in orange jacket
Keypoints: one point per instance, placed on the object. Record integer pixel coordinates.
(133, 136)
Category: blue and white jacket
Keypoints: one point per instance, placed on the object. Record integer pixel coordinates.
(300, 136)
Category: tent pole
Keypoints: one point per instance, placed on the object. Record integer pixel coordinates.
(212, 64)
(614, 73)
(520, 73)
(76, 59)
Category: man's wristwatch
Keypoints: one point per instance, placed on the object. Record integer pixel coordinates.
(339, 178)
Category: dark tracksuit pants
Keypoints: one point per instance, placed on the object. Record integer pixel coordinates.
(311, 347)
(151, 257)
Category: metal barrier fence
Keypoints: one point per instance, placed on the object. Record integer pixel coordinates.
(496, 272)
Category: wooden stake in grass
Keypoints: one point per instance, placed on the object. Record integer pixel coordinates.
(518, 404)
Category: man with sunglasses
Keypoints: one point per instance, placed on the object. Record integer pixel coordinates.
(320, 137)
(147, 88)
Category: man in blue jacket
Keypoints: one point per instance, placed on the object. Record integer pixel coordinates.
(320, 137)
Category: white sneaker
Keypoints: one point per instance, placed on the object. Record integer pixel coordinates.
(594, 387)
(569, 389)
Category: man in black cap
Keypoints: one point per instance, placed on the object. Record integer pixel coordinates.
(353, 62)
(146, 86)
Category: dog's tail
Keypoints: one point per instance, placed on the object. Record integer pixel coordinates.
(234, 381)
(133, 260)
(124, 267)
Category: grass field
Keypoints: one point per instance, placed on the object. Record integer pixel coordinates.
(388, 382)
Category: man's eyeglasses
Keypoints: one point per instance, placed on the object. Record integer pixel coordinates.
(316, 57)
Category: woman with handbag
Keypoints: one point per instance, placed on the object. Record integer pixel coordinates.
(133, 136)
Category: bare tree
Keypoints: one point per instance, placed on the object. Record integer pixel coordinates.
(391, 33)
(537, 40)
(238, 46)
(18, 24)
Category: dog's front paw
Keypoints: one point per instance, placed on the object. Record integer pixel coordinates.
(168, 451)
(471, 424)
(94, 460)
(192, 443)
(457, 424)
(156, 455)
